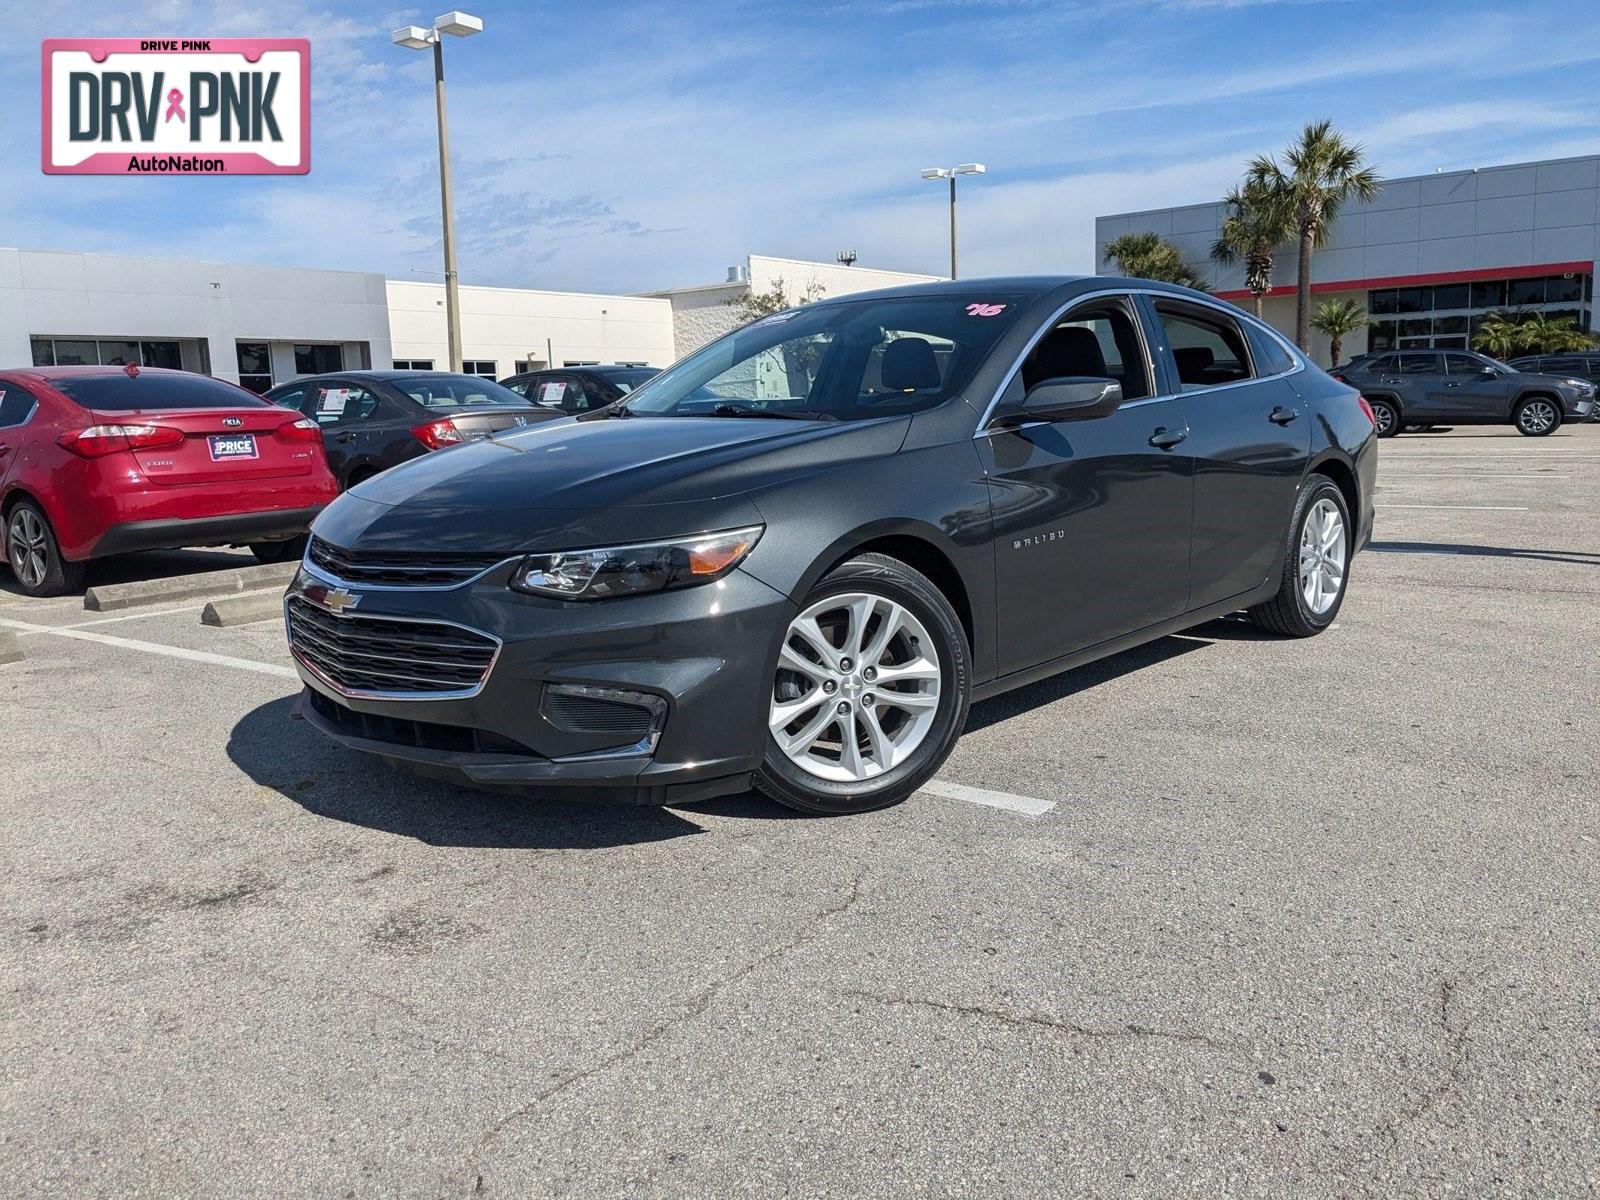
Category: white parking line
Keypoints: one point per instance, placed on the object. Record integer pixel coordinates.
(1477, 475)
(1026, 805)
(1461, 507)
(105, 639)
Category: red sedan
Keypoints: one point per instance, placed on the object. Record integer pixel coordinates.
(102, 460)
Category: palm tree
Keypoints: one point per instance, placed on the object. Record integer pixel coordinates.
(1323, 171)
(1338, 319)
(1151, 256)
(1261, 220)
(1503, 334)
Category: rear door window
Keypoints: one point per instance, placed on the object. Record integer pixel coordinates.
(16, 404)
(1418, 362)
(341, 404)
(1208, 348)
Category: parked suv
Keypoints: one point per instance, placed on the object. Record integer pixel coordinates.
(1429, 387)
(1568, 366)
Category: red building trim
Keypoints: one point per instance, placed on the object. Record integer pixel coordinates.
(1392, 281)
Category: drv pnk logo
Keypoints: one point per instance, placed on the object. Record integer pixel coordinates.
(168, 106)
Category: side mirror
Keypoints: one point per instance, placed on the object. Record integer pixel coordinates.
(1073, 398)
(1487, 371)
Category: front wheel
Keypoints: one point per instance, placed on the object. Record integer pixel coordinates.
(1386, 417)
(1537, 417)
(869, 691)
(1316, 565)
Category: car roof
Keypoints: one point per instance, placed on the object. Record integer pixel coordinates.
(585, 367)
(48, 373)
(1028, 286)
(385, 374)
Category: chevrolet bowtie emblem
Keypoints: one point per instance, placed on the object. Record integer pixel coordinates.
(338, 599)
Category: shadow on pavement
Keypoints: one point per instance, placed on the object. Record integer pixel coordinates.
(148, 564)
(1583, 558)
(296, 761)
(1059, 687)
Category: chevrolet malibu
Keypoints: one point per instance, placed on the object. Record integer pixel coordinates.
(794, 558)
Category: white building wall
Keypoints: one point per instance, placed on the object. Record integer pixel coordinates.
(703, 314)
(67, 294)
(508, 325)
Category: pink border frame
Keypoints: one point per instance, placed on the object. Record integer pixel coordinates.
(244, 163)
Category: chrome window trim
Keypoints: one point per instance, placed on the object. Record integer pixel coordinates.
(1299, 360)
(33, 410)
(370, 694)
(326, 576)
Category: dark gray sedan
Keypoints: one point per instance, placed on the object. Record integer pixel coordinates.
(1432, 387)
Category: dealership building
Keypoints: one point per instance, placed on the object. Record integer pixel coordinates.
(261, 326)
(1429, 257)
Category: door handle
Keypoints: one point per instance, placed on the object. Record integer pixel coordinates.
(345, 437)
(1165, 439)
(1452, 385)
(1282, 416)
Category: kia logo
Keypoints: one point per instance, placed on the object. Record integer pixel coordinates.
(232, 422)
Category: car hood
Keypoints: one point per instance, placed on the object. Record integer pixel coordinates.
(640, 460)
(588, 483)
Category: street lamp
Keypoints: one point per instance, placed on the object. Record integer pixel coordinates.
(415, 37)
(950, 173)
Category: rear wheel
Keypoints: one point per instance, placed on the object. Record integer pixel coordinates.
(35, 555)
(275, 552)
(1386, 416)
(869, 691)
(1537, 417)
(1316, 564)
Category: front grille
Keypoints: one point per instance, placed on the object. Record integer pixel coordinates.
(373, 654)
(399, 568)
(428, 735)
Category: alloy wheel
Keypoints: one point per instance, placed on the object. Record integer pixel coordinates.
(1322, 556)
(1537, 416)
(857, 687)
(29, 547)
(1385, 417)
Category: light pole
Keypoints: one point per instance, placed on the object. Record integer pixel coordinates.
(415, 37)
(950, 173)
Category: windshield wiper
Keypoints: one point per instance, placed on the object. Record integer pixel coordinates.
(734, 410)
(617, 410)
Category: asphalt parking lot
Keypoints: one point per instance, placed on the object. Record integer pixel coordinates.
(1299, 918)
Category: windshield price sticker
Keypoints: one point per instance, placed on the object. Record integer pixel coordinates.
(985, 310)
(212, 106)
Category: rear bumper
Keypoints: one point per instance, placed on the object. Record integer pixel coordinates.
(172, 532)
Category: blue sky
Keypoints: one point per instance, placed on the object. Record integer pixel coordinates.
(611, 146)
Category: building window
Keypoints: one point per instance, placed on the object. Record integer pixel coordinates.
(633, 364)
(586, 362)
(105, 352)
(413, 364)
(484, 368)
(316, 359)
(1403, 316)
(255, 365)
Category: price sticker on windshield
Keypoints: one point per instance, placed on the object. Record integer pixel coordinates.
(985, 310)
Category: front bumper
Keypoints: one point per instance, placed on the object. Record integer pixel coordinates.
(1581, 409)
(705, 651)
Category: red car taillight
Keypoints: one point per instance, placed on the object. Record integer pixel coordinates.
(99, 440)
(1367, 408)
(1338, 376)
(436, 435)
(303, 430)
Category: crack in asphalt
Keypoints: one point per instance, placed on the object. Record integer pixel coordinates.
(690, 1009)
(1454, 1063)
(1007, 1017)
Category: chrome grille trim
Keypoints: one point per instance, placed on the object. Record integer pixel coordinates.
(453, 662)
(400, 571)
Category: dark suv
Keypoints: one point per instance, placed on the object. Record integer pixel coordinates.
(1430, 387)
(1567, 366)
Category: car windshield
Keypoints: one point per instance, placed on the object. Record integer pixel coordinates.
(844, 361)
(626, 380)
(151, 390)
(457, 391)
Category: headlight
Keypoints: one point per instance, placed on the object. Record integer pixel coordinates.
(629, 570)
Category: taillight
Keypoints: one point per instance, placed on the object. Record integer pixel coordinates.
(303, 430)
(1367, 408)
(99, 440)
(1340, 377)
(436, 435)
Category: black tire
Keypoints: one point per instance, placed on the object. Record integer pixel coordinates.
(276, 552)
(1537, 416)
(787, 782)
(1386, 415)
(34, 555)
(1288, 613)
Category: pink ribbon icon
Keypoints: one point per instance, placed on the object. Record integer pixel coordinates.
(175, 106)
